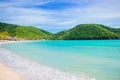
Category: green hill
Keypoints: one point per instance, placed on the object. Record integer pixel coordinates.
(115, 30)
(61, 33)
(24, 32)
(80, 32)
(89, 31)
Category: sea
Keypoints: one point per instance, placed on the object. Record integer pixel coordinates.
(99, 59)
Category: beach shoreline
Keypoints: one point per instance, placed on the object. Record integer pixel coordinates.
(30, 70)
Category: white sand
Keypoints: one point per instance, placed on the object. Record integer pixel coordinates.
(30, 70)
(7, 74)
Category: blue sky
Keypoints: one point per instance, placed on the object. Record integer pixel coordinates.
(57, 15)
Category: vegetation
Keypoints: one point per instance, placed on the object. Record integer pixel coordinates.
(115, 30)
(18, 32)
(61, 33)
(89, 31)
(82, 31)
(3, 35)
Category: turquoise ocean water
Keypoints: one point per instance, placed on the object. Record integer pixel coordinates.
(96, 58)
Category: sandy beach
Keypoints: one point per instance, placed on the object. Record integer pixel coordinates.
(23, 69)
(7, 74)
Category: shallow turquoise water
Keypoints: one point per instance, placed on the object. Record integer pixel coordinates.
(96, 58)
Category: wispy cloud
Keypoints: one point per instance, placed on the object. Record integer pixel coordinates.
(24, 3)
(48, 15)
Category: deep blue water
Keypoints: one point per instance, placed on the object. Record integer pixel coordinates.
(96, 58)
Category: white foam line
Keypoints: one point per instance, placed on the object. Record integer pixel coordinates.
(30, 70)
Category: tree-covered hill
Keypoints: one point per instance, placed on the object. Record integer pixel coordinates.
(80, 32)
(115, 30)
(23, 32)
(61, 33)
(89, 31)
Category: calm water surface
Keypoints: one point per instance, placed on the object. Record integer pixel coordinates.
(96, 58)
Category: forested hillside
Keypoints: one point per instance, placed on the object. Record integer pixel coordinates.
(89, 31)
(17, 32)
(79, 32)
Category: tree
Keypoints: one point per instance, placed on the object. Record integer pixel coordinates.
(4, 35)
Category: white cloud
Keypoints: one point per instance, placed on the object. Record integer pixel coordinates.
(66, 22)
(27, 16)
(24, 3)
(101, 11)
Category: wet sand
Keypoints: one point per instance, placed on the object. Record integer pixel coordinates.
(30, 70)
